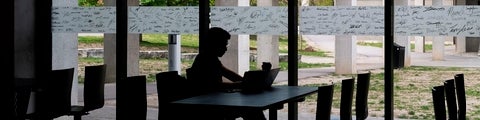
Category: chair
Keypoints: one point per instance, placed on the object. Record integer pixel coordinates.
(324, 102)
(361, 100)
(132, 98)
(170, 87)
(460, 88)
(54, 96)
(346, 99)
(93, 91)
(438, 94)
(451, 99)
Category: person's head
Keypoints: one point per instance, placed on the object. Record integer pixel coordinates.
(217, 41)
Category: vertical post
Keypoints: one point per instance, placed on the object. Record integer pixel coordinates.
(438, 42)
(121, 57)
(388, 63)
(43, 46)
(293, 54)
(174, 54)
(460, 89)
(204, 22)
(8, 87)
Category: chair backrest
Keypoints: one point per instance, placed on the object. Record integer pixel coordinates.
(438, 95)
(460, 88)
(55, 99)
(324, 102)
(171, 86)
(361, 100)
(132, 98)
(94, 87)
(451, 99)
(346, 99)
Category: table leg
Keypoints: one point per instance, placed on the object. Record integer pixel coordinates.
(272, 114)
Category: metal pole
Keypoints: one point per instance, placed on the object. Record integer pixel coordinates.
(389, 36)
(293, 54)
(204, 21)
(121, 57)
(174, 53)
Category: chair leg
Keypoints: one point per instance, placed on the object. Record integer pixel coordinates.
(346, 99)
(361, 100)
(462, 105)
(439, 102)
(451, 99)
(324, 102)
(77, 117)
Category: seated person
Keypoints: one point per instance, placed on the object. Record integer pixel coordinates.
(207, 70)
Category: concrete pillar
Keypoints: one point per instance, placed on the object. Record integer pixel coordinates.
(237, 57)
(419, 44)
(460, 44)
(419, 40)
(267, 45)
(109, 45)
(267, 50)
(345, 47)
(345, 54)
(65, 53)
(404, 40)
(438, 43)
(438, 48)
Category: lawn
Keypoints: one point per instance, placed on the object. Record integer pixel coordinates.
(189, 44)
(412, 91)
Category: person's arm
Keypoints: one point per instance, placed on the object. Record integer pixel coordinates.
(229, 74)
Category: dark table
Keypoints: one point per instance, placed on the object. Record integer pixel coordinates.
(268, 99)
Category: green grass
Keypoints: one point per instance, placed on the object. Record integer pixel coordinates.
(373, 44)
(190, 41)
(427, 47)
(90, 39)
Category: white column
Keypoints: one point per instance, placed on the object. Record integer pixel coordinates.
(65, 54)
(237, 57)
(110, 52)
(460, 42)
(419, 40)
(345, 47)
(419, 44)
(345, 54)
(65, 51)
(133, 54)
(267, 50)
(267, 45)
(438, 42)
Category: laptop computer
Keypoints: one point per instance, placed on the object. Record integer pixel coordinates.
(258, 80)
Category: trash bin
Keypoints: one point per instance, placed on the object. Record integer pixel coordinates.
(398, 56)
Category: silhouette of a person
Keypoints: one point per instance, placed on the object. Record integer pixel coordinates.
(207, 70)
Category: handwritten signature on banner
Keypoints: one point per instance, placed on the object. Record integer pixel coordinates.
(313, 20)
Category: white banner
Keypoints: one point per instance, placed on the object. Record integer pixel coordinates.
(313, 20)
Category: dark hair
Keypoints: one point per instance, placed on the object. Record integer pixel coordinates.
(218, 34)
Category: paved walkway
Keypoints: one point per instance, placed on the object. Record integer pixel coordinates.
(367, 58)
